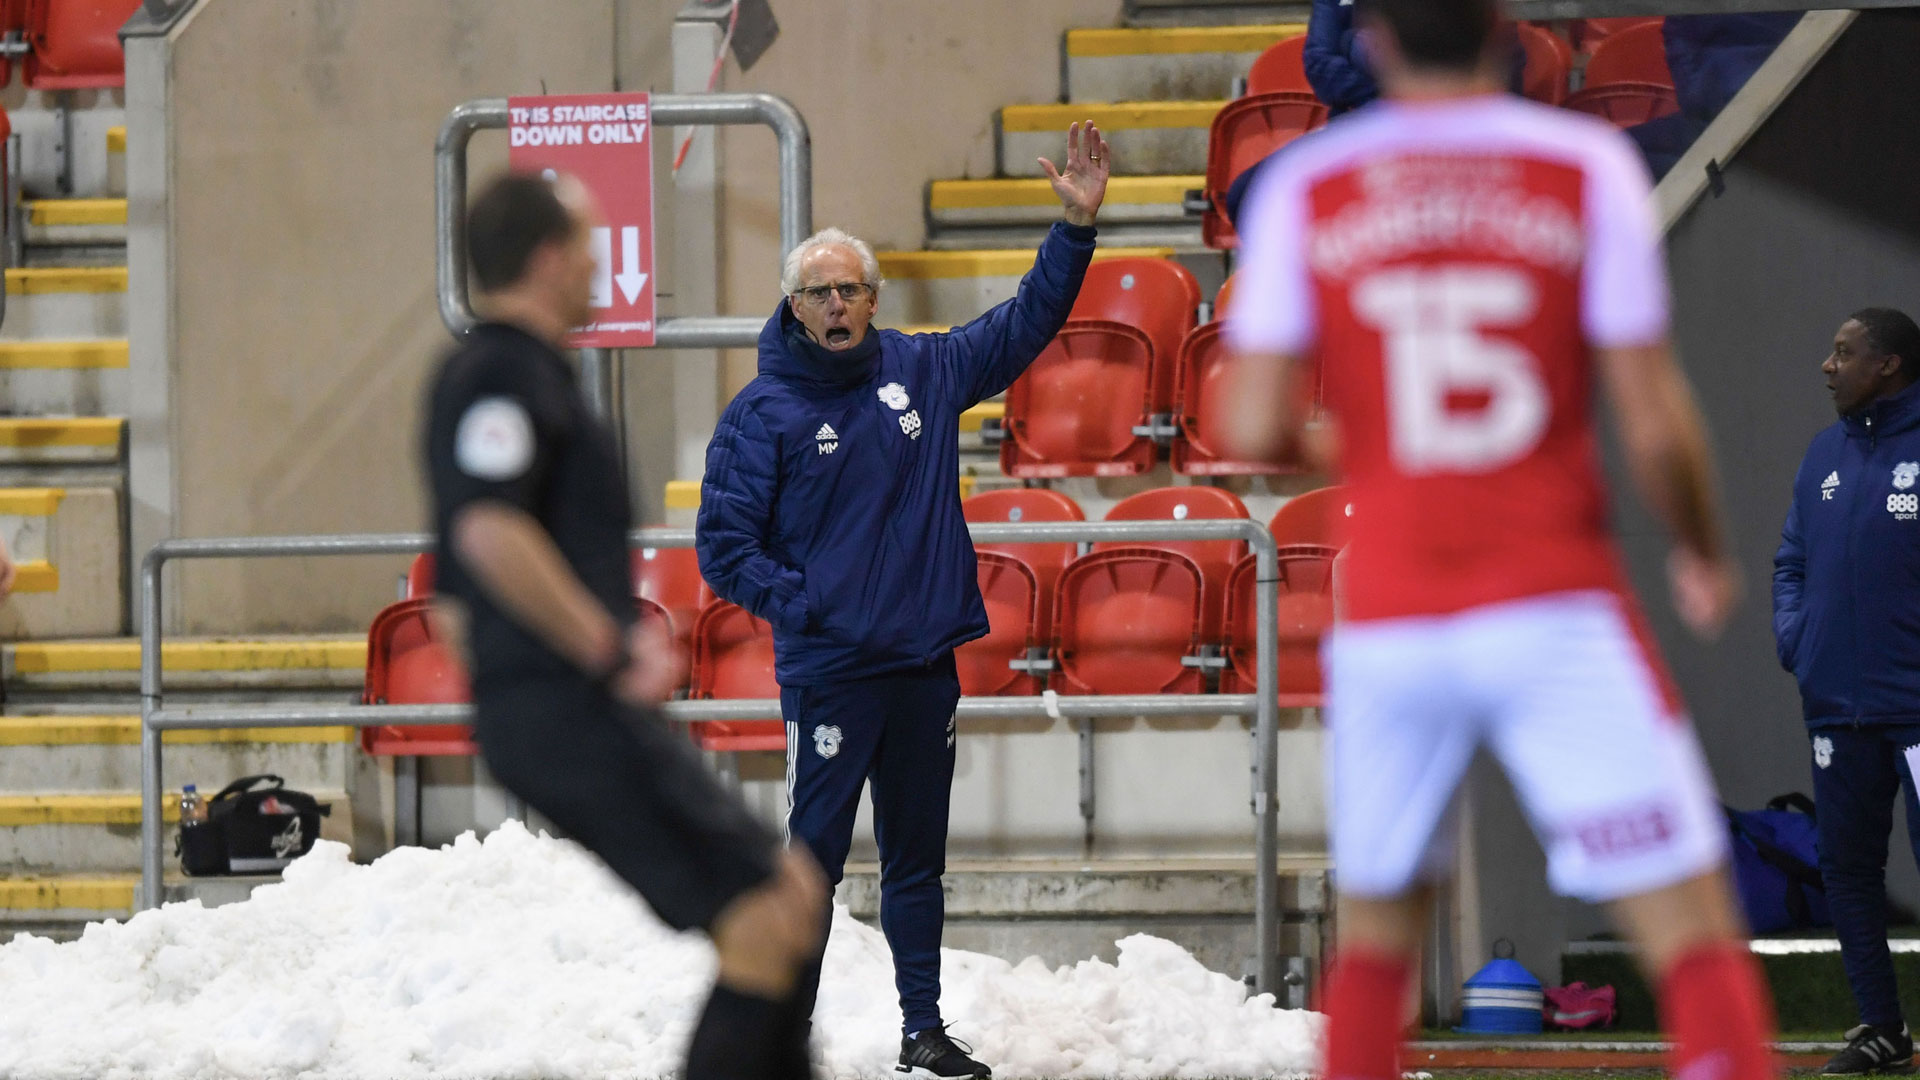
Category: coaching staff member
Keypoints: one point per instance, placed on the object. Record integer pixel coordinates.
(530, 507)
(1846, 618)
(831, 509)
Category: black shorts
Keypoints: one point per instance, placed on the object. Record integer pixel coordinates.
(626, 784)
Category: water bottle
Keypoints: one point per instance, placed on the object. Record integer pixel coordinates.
(193, 809)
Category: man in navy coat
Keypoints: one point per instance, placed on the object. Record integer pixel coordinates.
(831, 509)
(1846, 619)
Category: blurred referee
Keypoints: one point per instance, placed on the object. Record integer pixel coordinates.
(530, 507)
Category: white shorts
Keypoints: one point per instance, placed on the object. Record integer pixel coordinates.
(1562, 692)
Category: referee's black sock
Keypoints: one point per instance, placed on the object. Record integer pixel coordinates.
(742, 1037)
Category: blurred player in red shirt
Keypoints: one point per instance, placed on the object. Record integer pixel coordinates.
(1461, 269)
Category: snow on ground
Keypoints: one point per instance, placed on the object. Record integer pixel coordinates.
(520, 957)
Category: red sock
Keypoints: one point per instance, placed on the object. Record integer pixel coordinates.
(1364, 996)
(1716, 1007)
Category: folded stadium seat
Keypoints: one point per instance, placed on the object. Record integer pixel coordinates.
(420, 575)
(1214, 558)
(1012, 595)
(733, 658)
(1588, 33)
(1243, 134)
(76, 43)
(1549, 64)
(1625, 104)
(1305, 612)
(1317, 518)
(1045, 560)
(670, 578)
(1158, 297)
(1281, 66)
(408, 664)
(1124, 620)
(13, 20)
(1074, 411)
(1201, 388)
(1637, 54)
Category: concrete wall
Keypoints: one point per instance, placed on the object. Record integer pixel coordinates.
(893, 103)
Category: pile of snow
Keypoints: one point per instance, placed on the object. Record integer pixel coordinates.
(521, 956)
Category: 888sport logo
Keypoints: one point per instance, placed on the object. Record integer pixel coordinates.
(1904, 507)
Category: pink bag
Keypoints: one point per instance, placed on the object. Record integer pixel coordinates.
(1579, 1006)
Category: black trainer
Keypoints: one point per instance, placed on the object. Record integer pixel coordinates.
(1873, 1050)
(933, 1055)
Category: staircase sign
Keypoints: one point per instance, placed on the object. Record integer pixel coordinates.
(606, 140)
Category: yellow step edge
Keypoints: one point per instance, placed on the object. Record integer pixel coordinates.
(1013, 262)
(59, 657)
(1113, 116)
(1162, 41)
(36, 576)
(31, 502)
(117, 139)
(102, 353)
(125, 731)
(49, 212)
(986, 410)
(38, 280)
(1121, 190)
(91, 808)
(104, 892)
(683, 494)
(37, 431)
(922, 328)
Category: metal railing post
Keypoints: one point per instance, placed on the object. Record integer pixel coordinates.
(1266, 799)
(152, 814)
(668, 110)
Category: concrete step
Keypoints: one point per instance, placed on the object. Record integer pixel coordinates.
(283, 664)
(99, 832)
(1165, 63)
(116, 147)
(1149, 138)
(73, 378)
(1131, 200)
(65, 303)
(77, 222)
(1063, 911)
(87, 753)
(953, 287)
(61, 440)
(46, 121)
(1183, 239)
(67, 543)
(60, 906)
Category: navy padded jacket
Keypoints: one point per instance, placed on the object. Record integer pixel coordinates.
(831, 502)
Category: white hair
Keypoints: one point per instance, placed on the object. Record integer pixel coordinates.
(829, 237)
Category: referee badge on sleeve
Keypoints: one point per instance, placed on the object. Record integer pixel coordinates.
(494, 440)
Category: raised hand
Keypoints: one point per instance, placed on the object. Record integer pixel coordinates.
(1082, 185)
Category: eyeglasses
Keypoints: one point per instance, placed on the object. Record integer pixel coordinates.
(849, 292)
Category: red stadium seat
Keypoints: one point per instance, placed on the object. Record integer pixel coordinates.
(670, 577)
(1637, 54)
(733, 658)
(1124, 619)
(1214, 558)
(1222, 298)
(1549, 64)
(13, 20)
(1317, 518)
(1244, 133)
(1588, 33)
(420, 576)
(1045, 560)
(76, 43)
(1012, 595)
(1204, 388)
(1074, 411)
(1305, 612)
(408, 664)
(1282, 67)
(1158, 297)
(1625, 104)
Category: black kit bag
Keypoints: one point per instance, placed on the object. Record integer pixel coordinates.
(251, 831)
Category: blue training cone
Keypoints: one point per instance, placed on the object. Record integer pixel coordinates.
(1501, 998)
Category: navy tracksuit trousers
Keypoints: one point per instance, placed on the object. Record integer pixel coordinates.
(1857, 774)
(896, 732)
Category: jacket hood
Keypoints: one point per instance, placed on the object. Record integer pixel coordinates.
(787, 353)
(1896, 412)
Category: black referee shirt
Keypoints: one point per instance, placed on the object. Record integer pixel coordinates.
(506, 421)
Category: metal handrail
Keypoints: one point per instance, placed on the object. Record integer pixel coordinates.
(673, 110)
(1263, 707)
